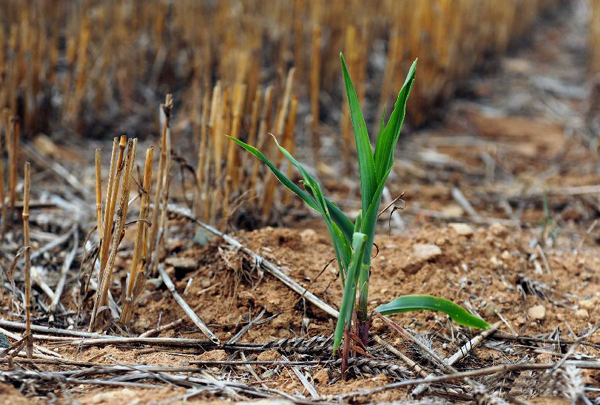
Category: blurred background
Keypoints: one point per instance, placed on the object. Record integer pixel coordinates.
(73, 75)
(96, 67)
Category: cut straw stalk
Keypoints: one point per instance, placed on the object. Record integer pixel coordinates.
(289, 142)
(261, 138)
(106, 272)
(202, 154)
(269, 193)
(98, 161)
(254, 117)
(114, 180)
(315, 82)
(162, 225)
(163, 174)
(347, 144)
(207, 190)
(216, 125)
(13, 157)
(4, 210)
(27, 267)
(233, 161)
(136, 275)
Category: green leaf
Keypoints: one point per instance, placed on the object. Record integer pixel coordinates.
(387, 140)
(366, 165)
(408, 303)
(342, 221)
(341, 243)
(280, 176)
(337, 215)
(337, 223)
(358, 245)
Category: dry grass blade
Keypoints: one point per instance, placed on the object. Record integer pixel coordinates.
(186, 308)
(114, 178)
(13, 157)
(4, 210)
(69, 258)
(98, 163)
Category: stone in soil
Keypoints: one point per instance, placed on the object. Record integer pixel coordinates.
(426, 252)
(537, 312)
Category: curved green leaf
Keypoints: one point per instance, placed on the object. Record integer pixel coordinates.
(342, 221)
(339, 225)
(407, 303)
(387, 140)
(341, 243)
(280, 176)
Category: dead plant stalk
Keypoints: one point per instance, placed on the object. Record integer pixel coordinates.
(27, 267)
(136, 275)
(106, 272)
(163, 174)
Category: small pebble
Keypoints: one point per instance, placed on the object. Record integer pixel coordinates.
(426, 252)
(182, 263)
(582, 313)
(453, 210)
(203, 237)
(537, 312)
(490, 310)
(461, 229)
(309, 236)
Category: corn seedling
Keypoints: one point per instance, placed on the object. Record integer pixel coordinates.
(352, 242)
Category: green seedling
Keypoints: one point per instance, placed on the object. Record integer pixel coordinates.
(352, 242)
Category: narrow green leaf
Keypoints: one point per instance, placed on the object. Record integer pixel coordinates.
(340, 219)
(280, 176)
(408, 303)
(343, 222)
(341, 243)
(366, 165)
(358, 244)
(387, 140)
(382, 125)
